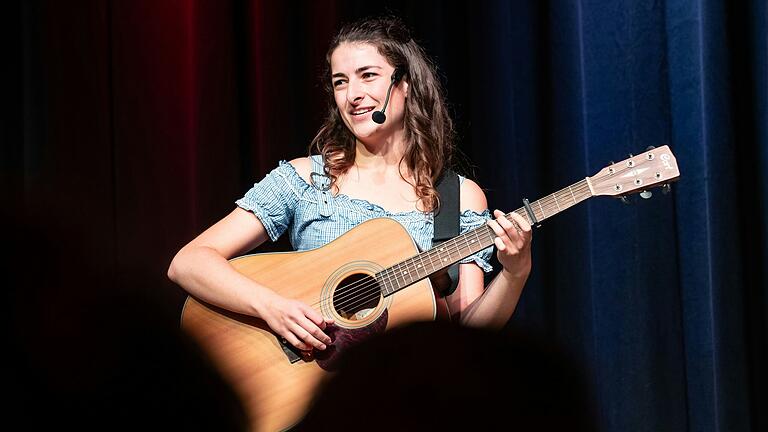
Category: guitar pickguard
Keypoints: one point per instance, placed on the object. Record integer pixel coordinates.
(343, 338)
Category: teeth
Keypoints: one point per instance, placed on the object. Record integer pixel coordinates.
(363, 111)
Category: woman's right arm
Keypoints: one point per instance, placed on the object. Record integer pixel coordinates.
(202, 268)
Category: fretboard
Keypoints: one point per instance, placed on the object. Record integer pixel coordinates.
(418, 267)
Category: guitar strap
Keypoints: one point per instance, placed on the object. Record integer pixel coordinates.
(447, 219)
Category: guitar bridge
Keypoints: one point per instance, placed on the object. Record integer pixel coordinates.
(294, 354)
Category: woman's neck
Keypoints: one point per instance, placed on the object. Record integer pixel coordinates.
(379, 155)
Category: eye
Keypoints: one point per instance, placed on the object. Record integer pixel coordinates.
(338, 82)
(367, 75)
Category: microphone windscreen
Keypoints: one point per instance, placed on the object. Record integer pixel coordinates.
(378, 117)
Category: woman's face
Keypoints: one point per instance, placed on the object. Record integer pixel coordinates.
(360, 79)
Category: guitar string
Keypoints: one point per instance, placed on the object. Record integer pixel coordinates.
(387, 274)
(367, 296)
(344, 300)
(354, 300)
(547, 201)
(389, 277)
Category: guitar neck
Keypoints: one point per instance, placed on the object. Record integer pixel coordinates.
(425, 264)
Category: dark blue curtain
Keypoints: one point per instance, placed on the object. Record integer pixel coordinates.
(663, 300)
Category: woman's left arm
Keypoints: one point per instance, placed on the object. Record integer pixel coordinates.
(493, 305)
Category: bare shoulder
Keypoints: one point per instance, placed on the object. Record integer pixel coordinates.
(303, 167)
(472, 196)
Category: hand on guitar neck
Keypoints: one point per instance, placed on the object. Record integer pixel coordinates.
(513, 243)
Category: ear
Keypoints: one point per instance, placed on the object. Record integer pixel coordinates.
(405, 88)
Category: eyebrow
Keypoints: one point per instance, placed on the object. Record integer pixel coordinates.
(357, 71)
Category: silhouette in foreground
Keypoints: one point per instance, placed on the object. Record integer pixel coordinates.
(436, 375)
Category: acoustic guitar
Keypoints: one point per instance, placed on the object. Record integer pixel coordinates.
(368, 280)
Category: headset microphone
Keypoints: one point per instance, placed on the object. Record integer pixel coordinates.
(379, 116)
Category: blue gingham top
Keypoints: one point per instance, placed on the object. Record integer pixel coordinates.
(283, 200)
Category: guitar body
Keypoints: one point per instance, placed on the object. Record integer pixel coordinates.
(335, 279)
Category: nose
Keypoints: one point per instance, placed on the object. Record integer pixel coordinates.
(355, 92)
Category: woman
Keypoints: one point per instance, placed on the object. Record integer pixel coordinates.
(364, 170)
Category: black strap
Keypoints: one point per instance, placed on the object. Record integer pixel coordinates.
(447, 219)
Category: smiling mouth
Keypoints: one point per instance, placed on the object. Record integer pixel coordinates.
(361, 111)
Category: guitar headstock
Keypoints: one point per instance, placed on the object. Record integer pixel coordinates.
(652, 168)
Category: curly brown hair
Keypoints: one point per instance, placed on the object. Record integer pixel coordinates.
(429, 131)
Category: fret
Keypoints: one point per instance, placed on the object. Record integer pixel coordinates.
(477, 236)
(413, 271)
(399, 273)
(402, 270)
(420, 265)
(443, 258)
(408, 275)
(466, 246)
(383, 282)
(459, 248)
(396, 275)
(430, 261)
(450, 254)
(456, 254)
(491, 235)
(452, 251)
(405, 271)
(434, 260)
(524, 214)
(478, 242)
(428, 266)
(392, 281)
(441, 251)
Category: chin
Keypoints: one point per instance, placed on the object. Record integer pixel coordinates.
(366, 131)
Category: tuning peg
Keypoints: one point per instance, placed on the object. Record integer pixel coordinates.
(631, 155)
(624, 199)
(646, 194)
(666, 188)
(650, 148)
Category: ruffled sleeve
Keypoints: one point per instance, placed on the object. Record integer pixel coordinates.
(469, 220)
(274, 199)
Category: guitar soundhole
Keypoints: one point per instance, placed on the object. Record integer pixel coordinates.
(356, 296)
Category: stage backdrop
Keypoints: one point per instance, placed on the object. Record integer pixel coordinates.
(136, 124)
